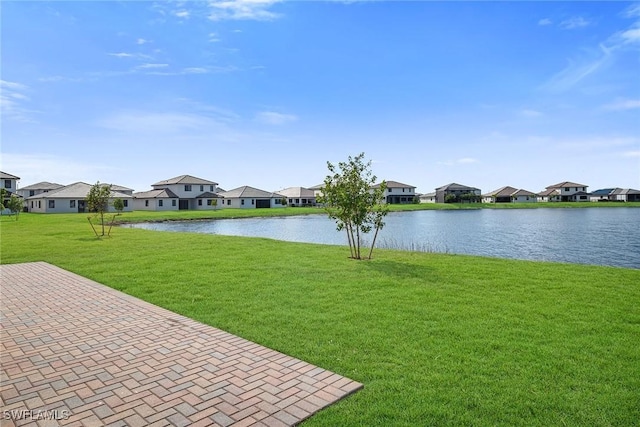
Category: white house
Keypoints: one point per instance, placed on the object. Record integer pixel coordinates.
(509, 195)
(38, 188)
(250, 198)
(70, 199)
(625, 195)
(299, 196)
(190, 191)
(398, 193)
(427, 197)
(10, 183)
(565, 192)
(155, 200)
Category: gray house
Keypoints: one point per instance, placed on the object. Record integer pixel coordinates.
(457, 193)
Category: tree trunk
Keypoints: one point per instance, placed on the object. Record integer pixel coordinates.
(91, 224)
(375, 236)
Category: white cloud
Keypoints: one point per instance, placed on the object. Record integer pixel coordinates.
(579, 69)
(182, 14)
(242, 10)
(273, 118)
(467, 160)
(623, 104)
(530, 113)
(631, 36)
(632, 11)
(122, 55)
(575, 22)
(545, 21)
(213, 38)
(13, 100)
(631, 153)
(195, 70)
(146, 66)
(142, 41)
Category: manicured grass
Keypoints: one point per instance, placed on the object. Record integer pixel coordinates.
(436, 339)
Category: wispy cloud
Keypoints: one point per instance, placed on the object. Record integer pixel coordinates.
(242, 10)
(635, 153)
(47, 167)
(623, 104)
(153, 122)
(592, 60)
(530, 113)
(147, 66)
(574, 23)
(213, 38)
(545, 21)
(13, 102)
(183, 14)
(142, 41)
(274, 118)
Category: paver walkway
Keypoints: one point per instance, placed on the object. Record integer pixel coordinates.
(88, 355)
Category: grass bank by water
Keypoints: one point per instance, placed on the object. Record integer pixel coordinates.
(436, 339)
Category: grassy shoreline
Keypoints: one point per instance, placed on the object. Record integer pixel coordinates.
(436, 339)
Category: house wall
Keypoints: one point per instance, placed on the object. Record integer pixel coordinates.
(524, 199)
(300, 201)
(431, 199)
(568, 191)
(9, 184)
(179, 190)
(41, 205)
(237, 203)
(154, 204)
(205, 206)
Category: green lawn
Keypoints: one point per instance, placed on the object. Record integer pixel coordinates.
(436, 339)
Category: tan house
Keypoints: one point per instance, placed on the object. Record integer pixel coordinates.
(509, 195)
(398, 193)
(299, 196)
(564, 192)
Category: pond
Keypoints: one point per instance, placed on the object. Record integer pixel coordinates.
(601, 236)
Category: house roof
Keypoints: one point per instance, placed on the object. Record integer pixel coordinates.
(44, 185)
(566, 184)
(501, 192)
(317, 187)
(455, 186)
(115, 187)
(604, 191)
(184, 179)
(4, 175)
(522, 192)
(625, 191)
(394, 184)
(428, 195)
(163, 193)
(249, 192)
(549, 192)
(77, 190)
(297, 192)
(209, 195)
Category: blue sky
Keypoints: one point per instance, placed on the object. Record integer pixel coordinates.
(264, 93)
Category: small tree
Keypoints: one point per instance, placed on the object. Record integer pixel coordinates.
(3, 195)
(15, 205)
(98, 203)
(349, 199)
(118, 205)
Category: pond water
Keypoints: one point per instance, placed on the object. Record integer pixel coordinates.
(602, 236)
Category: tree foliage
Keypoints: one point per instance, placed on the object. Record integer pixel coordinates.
(98, 203)
(349, 199)
(3, 196)
(15, 205)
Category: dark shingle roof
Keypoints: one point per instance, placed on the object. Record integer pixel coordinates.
(184, 179)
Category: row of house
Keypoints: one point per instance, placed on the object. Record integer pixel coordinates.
(186, 192)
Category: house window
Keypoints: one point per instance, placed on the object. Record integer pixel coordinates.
(211, 188)
(72, 204)
(389, 189)
(252, 201)
(160, 203)
(242, 202)
(403, 190)
(32, 204)
(173, 202)
(208, 202)
(146, 203)
(125, 203)
(290, 200)
(32, 192)
(39, 205)
(567, 189)
(228, 202)
(7, 183)
(297, 201)
(187, 187)
(52, 204)
(202, 188)
(199, 202)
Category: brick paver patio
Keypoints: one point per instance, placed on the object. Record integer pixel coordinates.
(93, 356)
